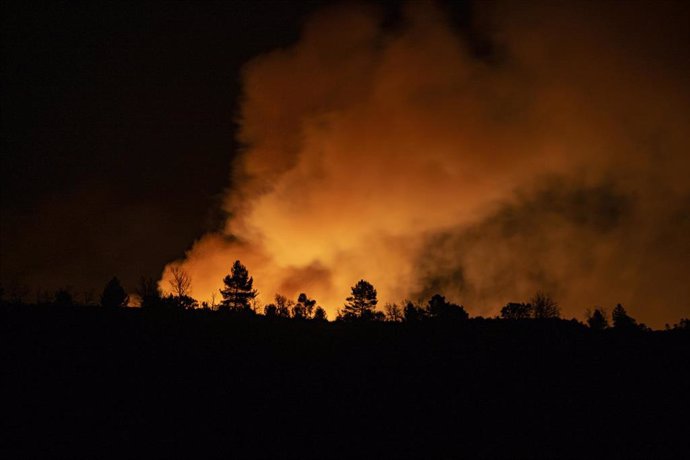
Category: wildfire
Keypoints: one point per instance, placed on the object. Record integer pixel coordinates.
(400, 156)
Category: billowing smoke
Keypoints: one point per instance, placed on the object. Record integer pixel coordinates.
(558, 159)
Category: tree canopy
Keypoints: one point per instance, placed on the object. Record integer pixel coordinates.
(514, 310)
(544, 307)
(439, 307)
(304, 308)
(597, 319)
(238, 293)
(361, 303)
(623, 321)
(114, 295)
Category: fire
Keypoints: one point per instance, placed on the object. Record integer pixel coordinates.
(368, 148)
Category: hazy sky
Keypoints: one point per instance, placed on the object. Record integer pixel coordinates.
(118, 131)
(482, 151)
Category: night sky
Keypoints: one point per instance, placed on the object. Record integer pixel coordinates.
(118, 127)
(481, 150)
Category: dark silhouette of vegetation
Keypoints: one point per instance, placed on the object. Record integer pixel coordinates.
(361, 304)
(127, 380)
(209, 381)
(304, 308)
(516, 311)
(440, 308)
(238, 293)
(270, 310)
(114, 295)
(393, 312)
(682, 325)
(597, 319)
(180, 282)
(623, 321)
(283, 306)
(544, 307)
(413, 313)
(182, 302)
(123, 374)
(540, 306)
(320, 314)
(149, 294)
(437, 308)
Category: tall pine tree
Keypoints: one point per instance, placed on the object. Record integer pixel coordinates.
(238, 293)
(362, 302)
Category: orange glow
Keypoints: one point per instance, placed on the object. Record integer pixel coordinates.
(363, 145)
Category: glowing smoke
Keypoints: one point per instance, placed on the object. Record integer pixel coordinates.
(397, 155)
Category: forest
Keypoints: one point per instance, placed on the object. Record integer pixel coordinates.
(180, 379)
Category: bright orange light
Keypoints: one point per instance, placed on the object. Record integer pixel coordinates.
(363, 144)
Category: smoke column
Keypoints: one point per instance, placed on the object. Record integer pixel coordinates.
(557, 160)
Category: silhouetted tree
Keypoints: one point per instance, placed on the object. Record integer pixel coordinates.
(515, 310)
(304, 308)
(362, 302)
(283, 306)
(543, 306)
(149, 293)
(413, 313)
(180, 282)
(597, 319)
(682, 325)
(621, 319)
(238, 293)
(393, 312)
(320, 314)
(114, 295)
(184, 302)
(439, 307)
(375, 315)
(270, 310)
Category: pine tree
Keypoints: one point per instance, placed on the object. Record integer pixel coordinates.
(597, 319)
(114, 295)
(621, 319)
(362, 302)
(238, 292)
(320, 314)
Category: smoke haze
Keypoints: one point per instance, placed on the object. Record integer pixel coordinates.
(556, 160)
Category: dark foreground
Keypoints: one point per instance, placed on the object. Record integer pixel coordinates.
(88, 383)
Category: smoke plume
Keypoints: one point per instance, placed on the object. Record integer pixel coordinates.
(556, 160)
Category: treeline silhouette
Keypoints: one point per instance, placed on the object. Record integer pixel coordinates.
(180, 379)
(238, 296)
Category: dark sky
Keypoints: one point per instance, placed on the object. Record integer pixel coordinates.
(117, 130)
(118, 124)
